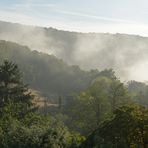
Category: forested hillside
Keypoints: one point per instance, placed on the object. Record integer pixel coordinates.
(73, 74)
(124, 53)
(46, 73)
(90, 108)
(104, 115)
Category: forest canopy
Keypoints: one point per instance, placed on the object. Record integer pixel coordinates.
(94, 108)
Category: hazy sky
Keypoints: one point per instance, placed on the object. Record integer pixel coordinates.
(124, 16)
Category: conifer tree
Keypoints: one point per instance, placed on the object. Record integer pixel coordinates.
(12, 89)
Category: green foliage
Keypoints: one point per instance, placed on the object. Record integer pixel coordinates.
(31, 130)
(109, 73)
(94, 105)
(18, 135)
(14, 95)
(76, 140)
(118, 94)
(127, 128)
(36, 131)
(45, 72)
(139, 92)
(101, 111)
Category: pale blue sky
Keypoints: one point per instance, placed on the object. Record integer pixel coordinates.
(124, 16)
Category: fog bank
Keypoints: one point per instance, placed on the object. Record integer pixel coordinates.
(126, 54)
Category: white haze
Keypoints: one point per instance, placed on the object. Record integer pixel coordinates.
(127, 55)
(129, 61)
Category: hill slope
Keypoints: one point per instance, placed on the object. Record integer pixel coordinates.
(124, 53)
(44, 72)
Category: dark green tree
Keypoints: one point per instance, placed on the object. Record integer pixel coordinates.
(12, 89)
(118, 94)
(128, 127)
(97, 103)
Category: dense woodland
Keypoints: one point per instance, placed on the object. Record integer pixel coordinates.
(45, 72)
(101, 112)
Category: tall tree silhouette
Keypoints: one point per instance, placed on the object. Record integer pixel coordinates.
(12, 89)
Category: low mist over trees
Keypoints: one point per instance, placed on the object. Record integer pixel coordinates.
(105, 114)
(20, 125)
(44, 72)
(122, 52)
(97, 103)
(94, 108)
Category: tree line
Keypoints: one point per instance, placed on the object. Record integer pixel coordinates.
(105, 115)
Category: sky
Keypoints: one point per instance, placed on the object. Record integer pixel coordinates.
(122, 16)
